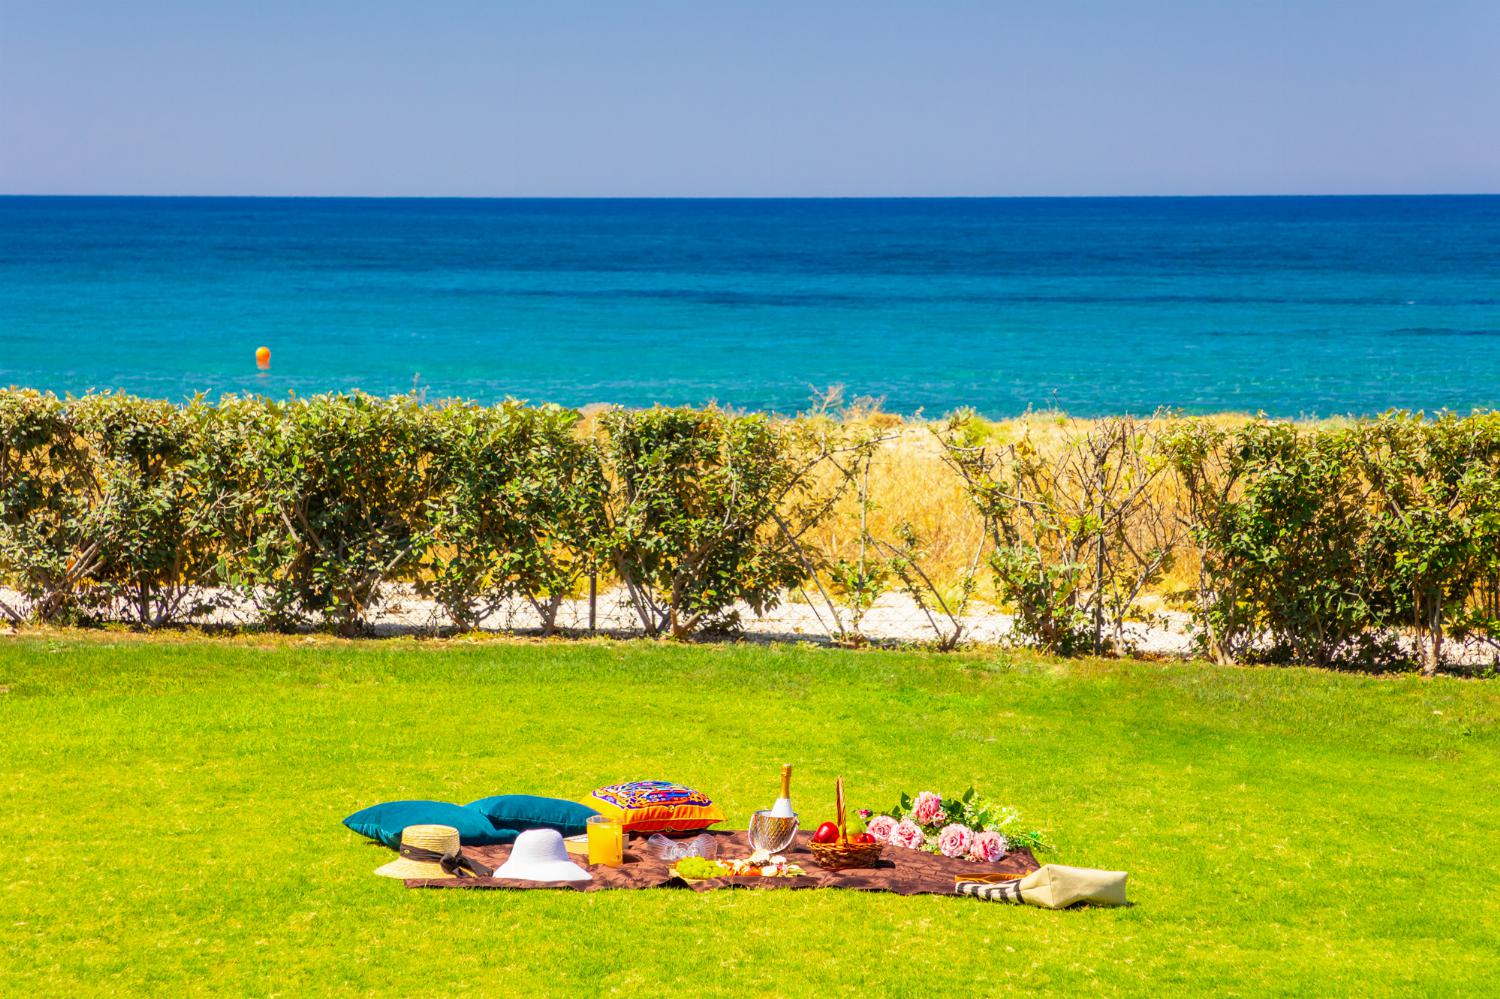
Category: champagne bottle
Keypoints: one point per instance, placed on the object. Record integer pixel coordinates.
(783, 807)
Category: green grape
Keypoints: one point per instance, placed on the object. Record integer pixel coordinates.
(697, 867)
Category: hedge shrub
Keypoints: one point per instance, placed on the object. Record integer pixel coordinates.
(693, 526)
(1435, 517)
(1315, 544)
(158, 535)
(328, 498)
(517, 509)
(51, 541)
(1290, 571)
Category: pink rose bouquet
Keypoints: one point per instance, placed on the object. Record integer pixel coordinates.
(969, 826)
(908, 834)
(988, 847)
(927, 809)
(954, 840)
(881, 827)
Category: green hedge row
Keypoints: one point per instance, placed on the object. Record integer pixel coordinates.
(116, 506)
(1322, 545)
(1313, 544)
(1317, 546)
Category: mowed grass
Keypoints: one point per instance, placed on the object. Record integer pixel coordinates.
(171, 819)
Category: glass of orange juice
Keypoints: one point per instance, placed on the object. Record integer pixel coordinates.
(606, 840)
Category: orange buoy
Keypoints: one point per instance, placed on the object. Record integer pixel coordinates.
(263, 357)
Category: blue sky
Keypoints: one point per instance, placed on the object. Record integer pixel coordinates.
(757, 98)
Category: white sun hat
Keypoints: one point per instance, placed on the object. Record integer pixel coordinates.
(539, 855)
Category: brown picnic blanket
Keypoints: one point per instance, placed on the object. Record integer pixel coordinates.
(904, 872)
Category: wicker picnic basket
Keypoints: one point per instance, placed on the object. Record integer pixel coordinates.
(843, 854)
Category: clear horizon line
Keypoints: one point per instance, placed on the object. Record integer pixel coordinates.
(761, 197)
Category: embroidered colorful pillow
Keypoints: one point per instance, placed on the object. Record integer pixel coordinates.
(648, 806)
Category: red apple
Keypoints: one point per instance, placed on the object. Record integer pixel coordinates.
(862, 838)
(827, 833)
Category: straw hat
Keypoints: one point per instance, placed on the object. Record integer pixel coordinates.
(423, 852)
(539, 855)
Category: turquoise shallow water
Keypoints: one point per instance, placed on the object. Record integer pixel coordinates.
(1294, 306)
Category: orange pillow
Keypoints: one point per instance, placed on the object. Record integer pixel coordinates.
(647, 806)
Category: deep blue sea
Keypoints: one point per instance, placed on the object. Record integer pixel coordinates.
(1292, 306)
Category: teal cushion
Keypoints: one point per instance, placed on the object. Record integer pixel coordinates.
(528, 811)
(384, 822)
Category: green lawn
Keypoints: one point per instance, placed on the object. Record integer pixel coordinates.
(171, 818)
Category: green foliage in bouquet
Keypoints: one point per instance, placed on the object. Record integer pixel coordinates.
(978, 813)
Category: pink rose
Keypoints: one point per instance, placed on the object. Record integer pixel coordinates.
(907, 834)
(881, 827)
(955, 840)
(988, 847)
(927, 810)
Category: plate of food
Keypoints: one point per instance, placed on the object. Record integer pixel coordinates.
(693, 869)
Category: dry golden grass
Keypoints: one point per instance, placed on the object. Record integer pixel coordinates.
(911, 484)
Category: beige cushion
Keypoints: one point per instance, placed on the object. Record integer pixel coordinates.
(1054, 886)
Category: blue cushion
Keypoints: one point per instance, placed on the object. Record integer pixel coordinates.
(529, 811)
(384, 822)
